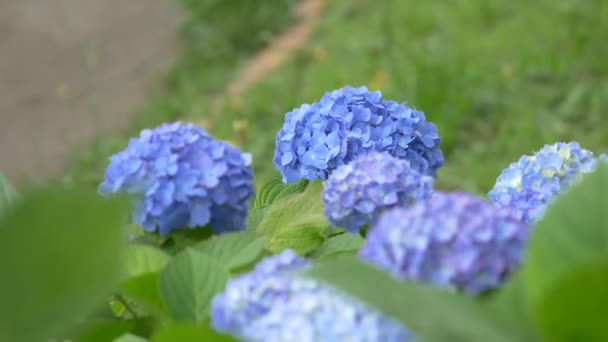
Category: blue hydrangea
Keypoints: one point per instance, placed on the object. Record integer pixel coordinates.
(533, 182)
(274, 303)
(355, 193)
(317, 138)
(179, 177)
(453, 240)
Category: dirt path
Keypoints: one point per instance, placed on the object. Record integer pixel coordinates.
(73, 69)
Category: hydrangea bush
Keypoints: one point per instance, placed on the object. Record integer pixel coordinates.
(319, 137)
(297, 265)
(181, 177)
(453, 240)
(534, 181)
(274, 303)
(355, 193)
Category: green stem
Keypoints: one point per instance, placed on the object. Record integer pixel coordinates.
(124, 303)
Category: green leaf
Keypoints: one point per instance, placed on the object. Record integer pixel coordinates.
(573, 231)
(302, 237)
(338, 245)
(254, 217)
(434, 314)
(63, 249)
(510, 305)
(142, 259)
(190, 332)
(189, 282)
(275, 190)
(144, 289)
(101, 330)
(7, 195)
(130, 338)
(575, 308)
(296, 221)
(233, 250)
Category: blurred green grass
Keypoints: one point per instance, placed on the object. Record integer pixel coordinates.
(499, 79)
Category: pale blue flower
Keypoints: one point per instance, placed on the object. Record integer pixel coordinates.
(275, 303)
(533, 182)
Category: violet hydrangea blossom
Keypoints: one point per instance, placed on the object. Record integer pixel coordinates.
(273, 303)
(453, 240)
(357, 192)
(348, 122)
(533, 182)
(179, 177)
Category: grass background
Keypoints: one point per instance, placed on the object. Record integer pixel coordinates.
(499, 78)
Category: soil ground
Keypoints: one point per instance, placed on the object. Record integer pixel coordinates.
(71, 70)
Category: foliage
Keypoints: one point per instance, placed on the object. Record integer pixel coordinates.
(45, 265)
(559, 293)
(493, 92)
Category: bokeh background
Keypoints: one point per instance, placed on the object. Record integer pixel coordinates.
(499, 78)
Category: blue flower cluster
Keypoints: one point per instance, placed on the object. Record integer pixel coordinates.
(273, 303)
(357, 192)
(349, 122)
(180, 176)
(533, 182)
(452, 240)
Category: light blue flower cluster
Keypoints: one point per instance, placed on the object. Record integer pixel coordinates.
(357, 192)
(180, 176)
(533, 182)
(274, 303)
(452, 240)
(349, 122)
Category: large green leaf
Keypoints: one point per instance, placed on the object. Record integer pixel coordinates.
(190, 332)
(62, 254)
(233, 250)
(434, 314)
(189, 282)
(254, 217)
(575, 308)
(101, 330)
(144, 289)
(573, 231)
(142, 259)
(275, 190)
(296, 221)
(302, 236)
(130, 338)
(338, 245)
(509, 304)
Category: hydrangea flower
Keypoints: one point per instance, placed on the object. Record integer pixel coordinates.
(180, 176)
(317, 138)
(273, 303)
(355, 193)
(453, 240)
(533, 182)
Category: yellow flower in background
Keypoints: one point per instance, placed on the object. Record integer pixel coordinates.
(320, 54)
(379, 80)
(204, 123)
(239, 125)
(240, 128)
(506, 71)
